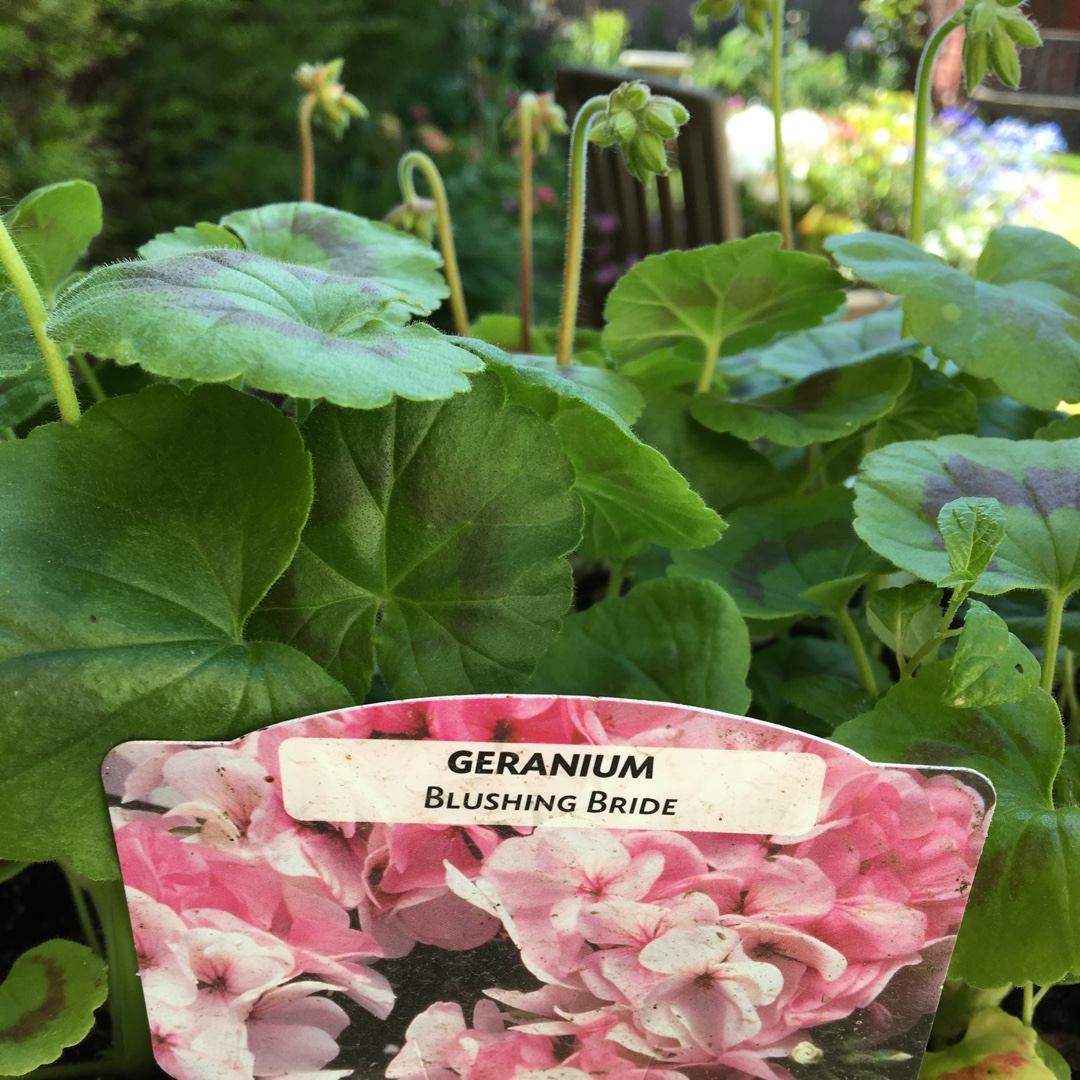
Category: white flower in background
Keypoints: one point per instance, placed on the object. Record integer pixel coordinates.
(752, 151)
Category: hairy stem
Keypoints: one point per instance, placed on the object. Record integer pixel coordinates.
(132, 1054)
(416, 159)
(307, 150)
(923, 85)
(93, 384)
(526, 110)
(34, 306)
(783, 196)
(858, 649)
(575, 223)
(1055, 610)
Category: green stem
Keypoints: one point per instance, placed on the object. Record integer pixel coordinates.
(86, 920)
(34, 306)
(526, 111)
(1027, 1013)
(575, 223)
(708, 369)
(777, 62)
(1042, 992)
(1055, 610)
(858, 649)
(943, 633)
(307, 149)
(1072, 702)
(132, 1053)
(89, 377)
(923, 85)
(615, 581)
(416, 159)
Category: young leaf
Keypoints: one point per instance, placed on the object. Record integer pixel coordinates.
(18, 346)
(972, 529)
(905, 619)
(47, 1003)
(340, 243)
(901, 490)
(52, 227)
(435, 547)
(823, 407)
(727, 297)
(773, 553)
(189, 238)
(1026, 896)
(671, 639)
(990, 666)
(1027, 290)
(288, 329)
(931, 405)
(723, 470)
(135, 546)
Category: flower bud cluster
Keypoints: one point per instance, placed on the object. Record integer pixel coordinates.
(547, 119)
(416, 217)
(334, 106)
(754, 12)
(640, 122)
(995, 33)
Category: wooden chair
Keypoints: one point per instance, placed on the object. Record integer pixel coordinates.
(697, 205)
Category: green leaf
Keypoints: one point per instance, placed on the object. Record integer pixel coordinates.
(1053, 1060)
(343, 244)
(990, 666)
(225, 314)
(1002, 418)
(52, 227)
(823, 407)
(504, 331)
(135, 546)
(1026, 896)
(727, 297)
(47, 1003)
(902, 489)
(1067, 427)
(773, 553)
(24, 395)
(187, 238)
(18, 346)
(672, 639)
(1027, 291)
(972, 529)
(996, 1044)
(723, 470)
(931, 405)
(832, 699)
(906, 618)
(435, 546)
(849, 342)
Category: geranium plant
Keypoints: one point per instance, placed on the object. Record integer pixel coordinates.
(296, 495)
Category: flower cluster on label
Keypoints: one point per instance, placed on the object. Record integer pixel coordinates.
(653, 951)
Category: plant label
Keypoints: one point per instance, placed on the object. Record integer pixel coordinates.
(540, 888)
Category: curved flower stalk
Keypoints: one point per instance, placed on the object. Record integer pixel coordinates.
(995, 31)
(754, 15)
(419, 217)
(534, 121)
(638, 122)
(326, 100)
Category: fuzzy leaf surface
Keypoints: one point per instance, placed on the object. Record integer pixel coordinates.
(47, 1003)
(187, 238)
(902, 488)
(135, 546)
(18, 346)
(1026, 895)
(1024, 302)
(728, 297)
(990, 666)
(288, 329)
(435, 546)
(670, 639)
(23, 395)
(822, 407)
(773, 553)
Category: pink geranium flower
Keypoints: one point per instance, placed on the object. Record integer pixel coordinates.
(290, 1030)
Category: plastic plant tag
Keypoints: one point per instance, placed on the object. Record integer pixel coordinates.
(540, 888)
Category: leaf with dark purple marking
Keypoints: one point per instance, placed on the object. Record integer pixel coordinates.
(1017, 323)
(828, 405)
(47, 1003)
(792, 556)
(188, 238)
(226, 314)
(902, 488)
(1026, 895)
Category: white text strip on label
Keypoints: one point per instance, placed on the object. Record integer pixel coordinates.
(614, 787)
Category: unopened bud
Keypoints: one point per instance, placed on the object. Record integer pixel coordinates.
(715, 9)
(645, 157)
(623, 126)
(983, 16)
(601, 133)
(976, 58)
(806, 1053)
(1004, 58)
(1022, 31)
(418, 218)
(632, 96)
(660, 120)
(754, 18)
